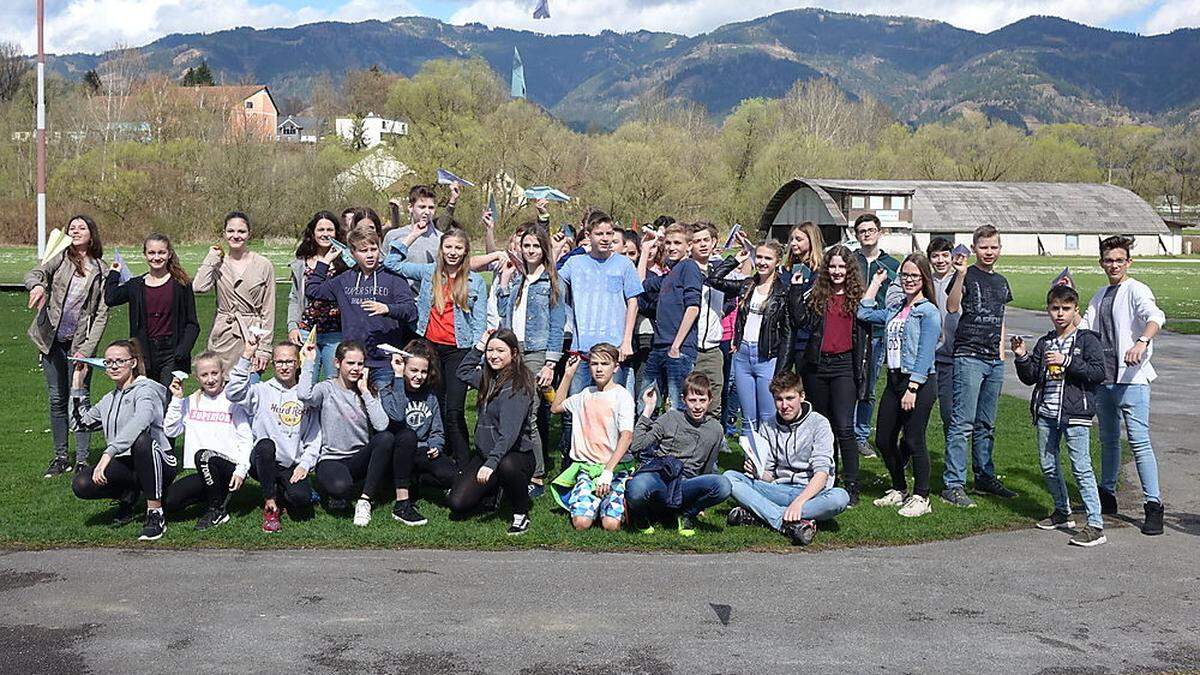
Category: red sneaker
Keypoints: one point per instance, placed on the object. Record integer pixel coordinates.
(270, 520)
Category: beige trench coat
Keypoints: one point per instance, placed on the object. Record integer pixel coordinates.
(242, 302)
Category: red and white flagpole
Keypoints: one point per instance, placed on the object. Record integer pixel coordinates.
(41, 129)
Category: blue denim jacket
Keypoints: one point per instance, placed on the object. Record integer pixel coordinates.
(922, 329)
(543, 321)
(469, 325)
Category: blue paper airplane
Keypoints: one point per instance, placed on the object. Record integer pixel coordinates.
(543, 10)
(347, 256)
(961, 249)
(444, 177)
(733, 233)
(546, 192)
(90, 360)
(125, 274)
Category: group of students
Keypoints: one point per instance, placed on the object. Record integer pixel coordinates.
(664, 339)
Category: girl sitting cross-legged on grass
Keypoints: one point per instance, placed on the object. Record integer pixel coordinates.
(217, 442)
(137, 457)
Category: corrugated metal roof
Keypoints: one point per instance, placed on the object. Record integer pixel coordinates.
(961, 206)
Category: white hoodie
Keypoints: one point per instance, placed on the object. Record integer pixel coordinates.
(279, 415)
(212, 423)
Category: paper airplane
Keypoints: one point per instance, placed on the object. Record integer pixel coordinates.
(389, 349)
(347, 256)
(56, 242)
(126, 275)
(179, 375)
(444, 177)
(259, 331)
(546, 192)
(90, 360)
(542, 11)
(733, 233)
(1064, 278)
(568, 232)
(961, 249)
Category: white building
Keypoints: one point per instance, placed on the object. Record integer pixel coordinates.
(373, 129)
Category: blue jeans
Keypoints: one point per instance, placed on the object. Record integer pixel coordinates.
(658, 366)
(1131, 403)
(646, 494)
(945, 393)
(977, 385)
(866, 407)
(1050, 432)
(752, 379)
(769, 500)
(326, 351)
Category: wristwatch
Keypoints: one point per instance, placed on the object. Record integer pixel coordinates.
(913, 389)
(1144, 339)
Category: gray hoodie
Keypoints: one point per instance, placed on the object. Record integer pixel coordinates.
(279, 415)
(124, 414)
(676, 435)
(798, 449)
(347, 417)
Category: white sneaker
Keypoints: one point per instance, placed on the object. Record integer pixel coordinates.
(914, 506)
(890, 498)
(362, 513)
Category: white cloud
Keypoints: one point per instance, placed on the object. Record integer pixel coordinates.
(1172, 14)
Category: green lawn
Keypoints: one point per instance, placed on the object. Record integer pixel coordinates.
(43, 513)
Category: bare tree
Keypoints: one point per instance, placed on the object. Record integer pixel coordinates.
(13, 67)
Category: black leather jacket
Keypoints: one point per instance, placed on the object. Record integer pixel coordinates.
(775, 334)
(815, 323)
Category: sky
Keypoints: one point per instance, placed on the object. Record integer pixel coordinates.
(99, 25)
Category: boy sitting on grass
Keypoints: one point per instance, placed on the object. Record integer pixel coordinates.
(680, 477)
(1066, 366)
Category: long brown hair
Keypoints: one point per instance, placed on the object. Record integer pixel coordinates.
(823, 287)
(543, 239)
(492, 381)
(95, 249)
(816, 242)
(135, 352)
(922, 262)
(458, 287)
(173, 265)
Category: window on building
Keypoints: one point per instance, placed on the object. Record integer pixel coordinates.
(289, 131)
(249, 105)
(1072, 242)
(858, 202)
(877, 203)
(898, 203)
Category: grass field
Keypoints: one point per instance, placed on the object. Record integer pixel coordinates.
(43, 513)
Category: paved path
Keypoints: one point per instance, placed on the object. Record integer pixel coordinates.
(1014, 602)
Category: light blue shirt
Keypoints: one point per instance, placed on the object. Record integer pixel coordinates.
(599, 290)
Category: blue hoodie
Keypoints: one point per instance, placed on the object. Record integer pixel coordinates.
(677, 290)
(349, 289)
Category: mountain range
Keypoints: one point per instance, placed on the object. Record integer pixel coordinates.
(1036, 71)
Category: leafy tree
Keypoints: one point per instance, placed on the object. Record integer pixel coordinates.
(200, 76)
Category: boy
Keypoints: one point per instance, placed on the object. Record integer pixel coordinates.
(376, 305)
(594, 484)
(710, 359)
(694, 439)
(979, 295)
(793, 489)
(871, 259)
(938, 253)
(1066, 365)
(673, 348)
(287, 436)
(422, 203)
(1127, 318)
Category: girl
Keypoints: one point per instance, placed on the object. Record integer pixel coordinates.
(762, 334)
(245, 283)
(805, 244)
(137, 458)
(162, 309)
(504, 434)
(416, 425)
(353, 424)
(217, 443)
(66, 291)
(838, 351)
(322, 316)
(452, 314)
(913, 328)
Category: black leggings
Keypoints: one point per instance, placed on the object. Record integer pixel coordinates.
(276, 479)
(338, 477)
(900, 434)
(404, 461)
(832, 392)
(452, 397)
(210, 483)
(142, 469)
(512, 475)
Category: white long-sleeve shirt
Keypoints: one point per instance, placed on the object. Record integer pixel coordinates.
(211, 423)
(1133, 307)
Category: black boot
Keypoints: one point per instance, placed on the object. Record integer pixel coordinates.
(1154, 515)
(852, 489)
(1108, 502)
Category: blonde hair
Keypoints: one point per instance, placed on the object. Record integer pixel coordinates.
(458, 286)
(816, 245)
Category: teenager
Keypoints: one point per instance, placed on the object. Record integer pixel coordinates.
(593, 486)
(375, 306)
(805, 251)
(979, 295)
(711, 358)
(245, 288)
(137, 460)
(1128, 318)
(287, 434)
(838, 354)
(911, 331)
(353, 425)
(870, 259)
(793, 487)
(418, 451)
(677, 296)
(422, 208)
(67, 294)
(451, 314)
(678, 452)
(643, 332)
(1065, 367)
(938, 252)
(217, 443)
(322, 316)
(505, 433)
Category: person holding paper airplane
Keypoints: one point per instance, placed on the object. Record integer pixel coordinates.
(422, 206)
(245, 288)
(322, 316)
(66, 292)
(162, 309)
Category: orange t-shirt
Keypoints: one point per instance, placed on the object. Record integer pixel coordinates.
(440, 330)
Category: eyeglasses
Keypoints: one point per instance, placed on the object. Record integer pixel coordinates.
(867, 230)
(285, 362)
(109, 364)
(1108, 262)
(911, 277)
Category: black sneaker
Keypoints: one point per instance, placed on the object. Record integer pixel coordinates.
(406, 513)
(1108, 502)
(1154, 518)
(989, 485)
(852, 490)
(214, 516)
(126, 509)
(336, 504)
(1058, 520)
(81, 467)
(155, 526)
(1088, 537)
(536, 490)
(520, 524)
(956, 496)
(801, 532)
(740, 515)
(57, 467)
